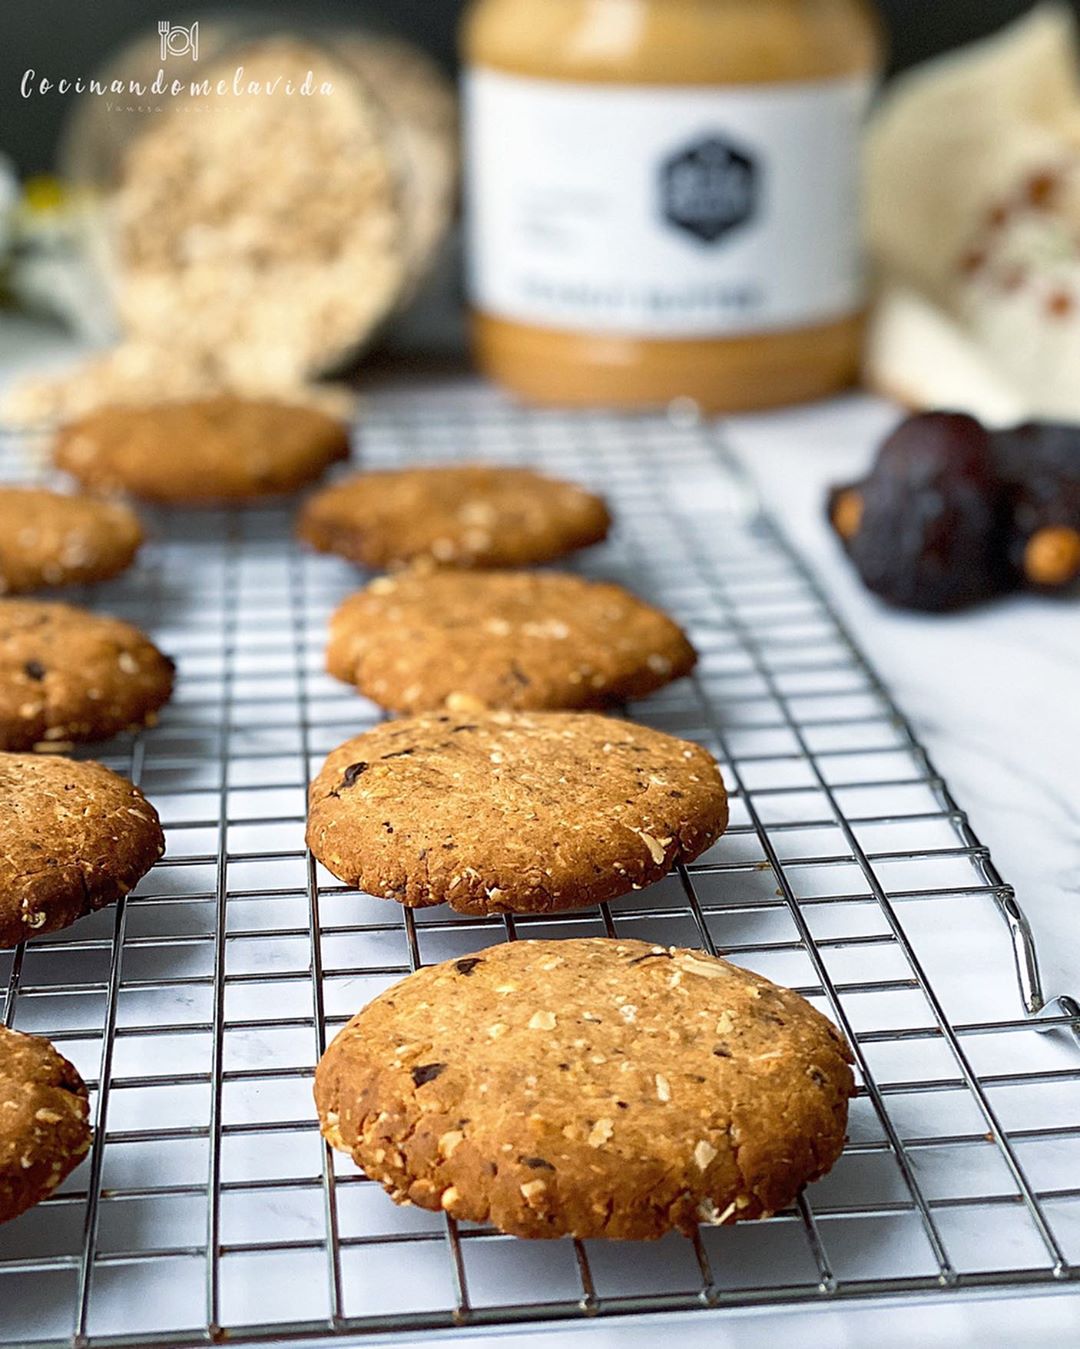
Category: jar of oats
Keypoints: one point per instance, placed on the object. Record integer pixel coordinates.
(262, 201)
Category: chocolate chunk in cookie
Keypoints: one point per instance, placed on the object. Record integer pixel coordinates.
(204, 451)
(471, 515)
(589, 1087)
(50, 539)
(67, 675)
(512, 812)
(417, 641)
(73, 837)
(44, 1121)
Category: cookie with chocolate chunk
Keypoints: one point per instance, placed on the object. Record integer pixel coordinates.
(203, 451)
(467, 515)
(416, 642)
(51, 539)
(74, 836)
(44, 1121)
(591, 1087)
(512, 812)
(67, 675)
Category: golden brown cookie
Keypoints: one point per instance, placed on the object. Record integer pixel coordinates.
(44, 1121)
(73, 837)
(471, 515)
(67, 675)
(202, 451)
(512, 812)
(590, 1087)
(49, 539)
(416, 642)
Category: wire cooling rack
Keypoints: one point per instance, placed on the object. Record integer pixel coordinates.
(197, 1009)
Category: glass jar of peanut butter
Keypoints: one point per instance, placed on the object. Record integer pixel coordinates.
(662, 197)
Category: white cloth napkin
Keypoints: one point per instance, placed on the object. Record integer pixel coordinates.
(973, 210)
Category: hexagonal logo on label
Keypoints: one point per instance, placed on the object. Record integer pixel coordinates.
(709, 188)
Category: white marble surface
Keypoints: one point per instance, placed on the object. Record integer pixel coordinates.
(993, 694)
(995, 697)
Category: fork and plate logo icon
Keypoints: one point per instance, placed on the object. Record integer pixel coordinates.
(176, 40)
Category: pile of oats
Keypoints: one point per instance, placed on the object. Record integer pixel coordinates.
(255, 243)
(139, 374)
(423, 109)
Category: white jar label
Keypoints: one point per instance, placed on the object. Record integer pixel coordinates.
(663, 211)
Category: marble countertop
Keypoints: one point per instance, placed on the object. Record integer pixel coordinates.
(994, 695)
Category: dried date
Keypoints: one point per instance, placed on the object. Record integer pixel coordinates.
(1040, 464)
(952, 514)
(926, 529)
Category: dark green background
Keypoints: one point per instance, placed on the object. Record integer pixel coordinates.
(72, 36)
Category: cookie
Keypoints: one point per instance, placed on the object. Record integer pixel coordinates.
(512, 812)
(472, 515)
(44, 1121)
(202, 451)
(416, 642)
(73, 837)
(590, 1087)
(67, 675)
(48, 539)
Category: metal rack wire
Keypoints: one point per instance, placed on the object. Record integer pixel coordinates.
(197, 1009)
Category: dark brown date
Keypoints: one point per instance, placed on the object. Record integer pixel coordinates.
(952, 514)
(1040, 463)
(926, 530)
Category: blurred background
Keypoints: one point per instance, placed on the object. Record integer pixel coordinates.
(924, 238)
(71, 35)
